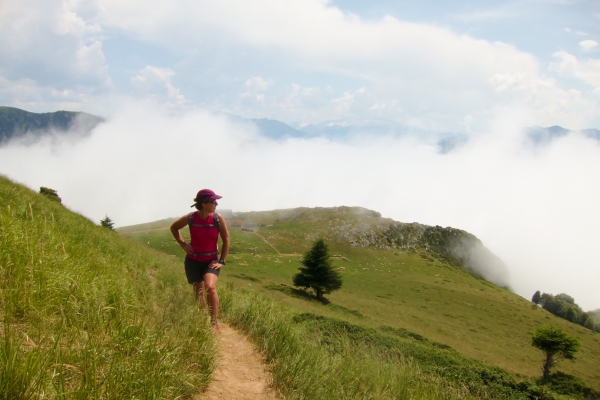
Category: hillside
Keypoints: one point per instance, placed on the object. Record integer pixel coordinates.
(15, 122)
(409, 280)
(87, 313)
(362, 228)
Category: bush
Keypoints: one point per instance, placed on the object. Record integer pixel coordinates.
(50, 194)
(570, 385)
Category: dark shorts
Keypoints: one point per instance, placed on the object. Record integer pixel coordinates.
(195, 270)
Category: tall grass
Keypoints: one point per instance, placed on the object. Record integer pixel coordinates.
(317, 357)
(304, 369)
(86, 313)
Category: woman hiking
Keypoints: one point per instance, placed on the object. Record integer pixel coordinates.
(202, 261)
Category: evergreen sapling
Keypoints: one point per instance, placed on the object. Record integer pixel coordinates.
(318, 272)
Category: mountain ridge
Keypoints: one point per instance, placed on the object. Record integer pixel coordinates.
(15, 122)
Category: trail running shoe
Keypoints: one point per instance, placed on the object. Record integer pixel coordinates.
(215, 324)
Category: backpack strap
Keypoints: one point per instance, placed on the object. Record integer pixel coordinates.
(191, 221)
(216, 222)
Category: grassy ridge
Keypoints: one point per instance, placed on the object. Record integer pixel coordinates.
(414, 290)
(395, 291)
(87, 313)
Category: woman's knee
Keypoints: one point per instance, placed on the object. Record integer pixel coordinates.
(211, 288)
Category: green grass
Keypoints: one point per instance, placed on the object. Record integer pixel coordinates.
(395, 291)
(87, 313)
(304, 369)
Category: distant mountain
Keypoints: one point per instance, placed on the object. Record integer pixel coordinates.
(345, 129)
(274, 129)
(15, 122)
(269, 128)
(536, 135)
(541, 136)
(354, 127)
(445, 146)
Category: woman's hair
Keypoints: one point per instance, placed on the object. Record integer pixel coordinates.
(200, 201)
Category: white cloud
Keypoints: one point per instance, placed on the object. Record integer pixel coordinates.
(155, 84)
(50, 58)
(345, 102)
(256, 83)
(414, 72)
(536, 209)
(432, 74)
(588, 44)
(48, 43)
(568, 65)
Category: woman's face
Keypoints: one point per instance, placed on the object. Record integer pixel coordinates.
(210, 205)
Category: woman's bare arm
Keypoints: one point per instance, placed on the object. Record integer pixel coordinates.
(224, 231)
(175, 227)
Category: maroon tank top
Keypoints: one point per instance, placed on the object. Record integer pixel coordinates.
(204, 237)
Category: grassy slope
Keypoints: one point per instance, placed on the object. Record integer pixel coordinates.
(397, 289)
(90, 313)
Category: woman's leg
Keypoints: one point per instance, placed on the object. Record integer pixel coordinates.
(199, 293)
(210, 283)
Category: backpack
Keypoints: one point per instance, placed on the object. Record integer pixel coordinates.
(215, 223)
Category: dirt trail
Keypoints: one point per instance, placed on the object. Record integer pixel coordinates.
(274, 248)
(240, 374)
(267, 242)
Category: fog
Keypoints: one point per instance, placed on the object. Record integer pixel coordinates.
(534, 207)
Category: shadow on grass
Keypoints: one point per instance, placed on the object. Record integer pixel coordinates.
(303, 294)
(245, 277)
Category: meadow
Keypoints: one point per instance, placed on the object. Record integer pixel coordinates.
(451, 327)
(89, 314)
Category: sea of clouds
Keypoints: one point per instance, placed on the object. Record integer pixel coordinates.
(536, 207)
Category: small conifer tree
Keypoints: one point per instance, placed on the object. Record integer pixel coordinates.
(107, 223)
(318, 272)
(537, 297)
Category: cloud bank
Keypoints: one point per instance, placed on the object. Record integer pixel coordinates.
(535, 207)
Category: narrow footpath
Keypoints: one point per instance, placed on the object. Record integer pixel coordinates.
(240, 373)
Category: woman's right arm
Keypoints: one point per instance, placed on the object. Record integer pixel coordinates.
(175, 227)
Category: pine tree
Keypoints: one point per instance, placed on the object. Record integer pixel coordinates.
(107, 223)
(318, 272)
(537, 297)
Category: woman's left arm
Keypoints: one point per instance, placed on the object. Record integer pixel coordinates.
(224, 231)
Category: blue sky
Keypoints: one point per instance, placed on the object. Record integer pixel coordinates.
(159, 70)
(440, 65)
